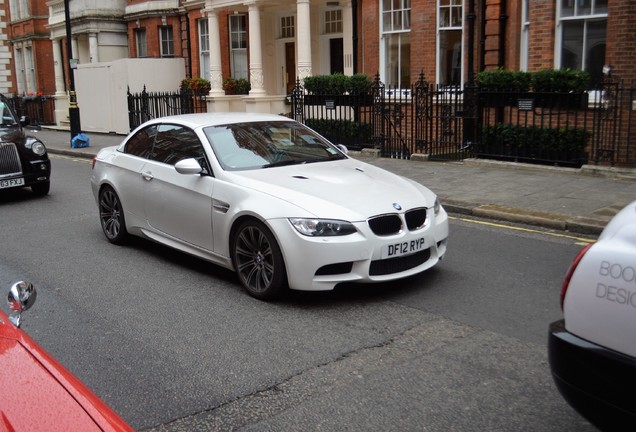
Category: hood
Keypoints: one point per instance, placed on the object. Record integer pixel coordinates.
(346, 189)
(37, 392)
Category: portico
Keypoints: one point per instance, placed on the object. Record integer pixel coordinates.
(285, 41)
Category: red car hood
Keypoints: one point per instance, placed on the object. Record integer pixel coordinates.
(38, 393)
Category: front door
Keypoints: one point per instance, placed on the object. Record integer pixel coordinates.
(290, 67)
(336, 52)
(178, 205)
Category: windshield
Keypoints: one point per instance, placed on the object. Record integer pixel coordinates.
(7, 115)
(254, 145)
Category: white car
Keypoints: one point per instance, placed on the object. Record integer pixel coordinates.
(592, 351)
(269, 198)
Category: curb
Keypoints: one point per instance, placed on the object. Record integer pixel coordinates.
(75, 153)
(554, 221)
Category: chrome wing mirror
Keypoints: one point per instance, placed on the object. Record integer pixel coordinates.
(21, 297)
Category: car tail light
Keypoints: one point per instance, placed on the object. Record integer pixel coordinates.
(571, 270)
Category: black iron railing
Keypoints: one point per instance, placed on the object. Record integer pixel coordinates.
(453, 123)
(37, 110)
(148, 105)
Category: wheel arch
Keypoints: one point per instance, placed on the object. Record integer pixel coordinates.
(232, 235)
(237, 222)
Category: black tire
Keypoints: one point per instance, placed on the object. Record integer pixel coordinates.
(258, 261)
(111, 216)
(41, 189)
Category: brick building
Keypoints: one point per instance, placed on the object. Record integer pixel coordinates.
(434, 36)
(26, 48)
(272, 43)
(397, 39)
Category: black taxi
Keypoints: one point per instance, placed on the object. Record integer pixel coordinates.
(24, 161)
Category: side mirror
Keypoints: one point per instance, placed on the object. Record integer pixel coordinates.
(188, 166)
(25, 123)
(21, 297)
(343, 148)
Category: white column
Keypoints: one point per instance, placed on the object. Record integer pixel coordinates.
(255, 42)
(303, 38)
(93, 49)
(347, 38)
(75, 49)
(58, 68)
(216, 70)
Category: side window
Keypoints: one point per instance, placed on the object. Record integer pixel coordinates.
(140, 144)
(175, 143)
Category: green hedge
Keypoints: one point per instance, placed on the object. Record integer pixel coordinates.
(500, 79)
(535, 141)
(546, 80)
(337, 84)
(342, 131)
(560, 81)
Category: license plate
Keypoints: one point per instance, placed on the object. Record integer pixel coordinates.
(403, 248)
(11, 183)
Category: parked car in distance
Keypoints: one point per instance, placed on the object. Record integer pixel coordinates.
(24, 161)
(37, 392)
(592, 351)
(269, 198)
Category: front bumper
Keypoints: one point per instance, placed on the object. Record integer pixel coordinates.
(599, 383)
(320, 263)
(34, 172)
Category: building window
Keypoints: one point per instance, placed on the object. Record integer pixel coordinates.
(525, 35)
(30, 70)
(238, 46)
(140, 43)
(582, 36)
(333, 21)
(287, 27)
(166, 40)
(449, 42)
(395, 55)
(19, 9)
(19, 67)
(204, 49)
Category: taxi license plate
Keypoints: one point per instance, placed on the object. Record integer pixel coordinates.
(11, 183)
(403, 248)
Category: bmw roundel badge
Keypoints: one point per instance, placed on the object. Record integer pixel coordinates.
(397, 206)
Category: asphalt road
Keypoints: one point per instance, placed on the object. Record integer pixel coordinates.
(173, 343)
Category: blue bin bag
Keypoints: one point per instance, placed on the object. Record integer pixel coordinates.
(80, 141)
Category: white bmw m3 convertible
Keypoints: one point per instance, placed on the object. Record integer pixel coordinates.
(269, 198)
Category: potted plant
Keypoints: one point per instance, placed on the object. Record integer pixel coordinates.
(503, 87)
(196, 86)
(338, 88)
(236, 86)
(564, 88)
(503, 80)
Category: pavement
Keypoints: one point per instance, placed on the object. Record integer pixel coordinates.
(579, 201)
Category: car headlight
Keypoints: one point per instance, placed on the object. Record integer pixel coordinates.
(38, 148)
(322, 227)
(437, 206)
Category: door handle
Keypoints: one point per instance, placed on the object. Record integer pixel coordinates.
(147, 175)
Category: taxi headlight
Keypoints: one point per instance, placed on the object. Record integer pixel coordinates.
(322, 227)
(38, 148)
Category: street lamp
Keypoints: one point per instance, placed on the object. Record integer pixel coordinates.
(73, 109)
